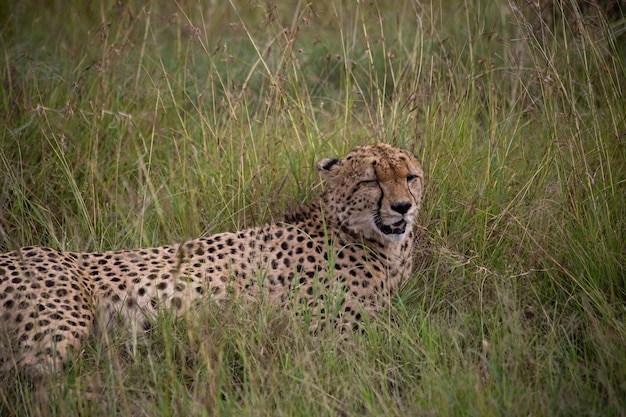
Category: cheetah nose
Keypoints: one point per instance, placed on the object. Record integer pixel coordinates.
(401, 207)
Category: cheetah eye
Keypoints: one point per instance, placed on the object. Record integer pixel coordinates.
(411, 178)
(367, 182)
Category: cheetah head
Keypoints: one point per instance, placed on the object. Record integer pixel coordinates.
(374, 191)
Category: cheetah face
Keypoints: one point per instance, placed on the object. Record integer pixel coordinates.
(374, 191)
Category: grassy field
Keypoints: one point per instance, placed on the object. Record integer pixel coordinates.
(133, 124)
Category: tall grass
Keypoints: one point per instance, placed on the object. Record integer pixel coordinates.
(137, 124)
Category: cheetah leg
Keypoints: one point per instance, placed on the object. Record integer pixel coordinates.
(59, 321)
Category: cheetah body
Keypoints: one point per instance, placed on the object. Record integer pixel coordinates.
(356, 241)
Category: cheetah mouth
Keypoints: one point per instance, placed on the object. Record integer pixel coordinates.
(396, 228)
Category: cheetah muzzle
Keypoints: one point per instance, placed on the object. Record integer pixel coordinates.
(340, 259)
(397, 228)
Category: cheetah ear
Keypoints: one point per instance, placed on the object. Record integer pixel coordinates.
(328, 167)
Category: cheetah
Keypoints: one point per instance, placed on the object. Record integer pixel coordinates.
(355, 240)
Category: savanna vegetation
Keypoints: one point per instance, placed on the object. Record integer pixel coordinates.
(134, 124)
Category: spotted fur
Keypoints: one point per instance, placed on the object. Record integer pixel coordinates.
(340, 258)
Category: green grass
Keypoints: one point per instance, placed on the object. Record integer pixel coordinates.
(137, 124)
